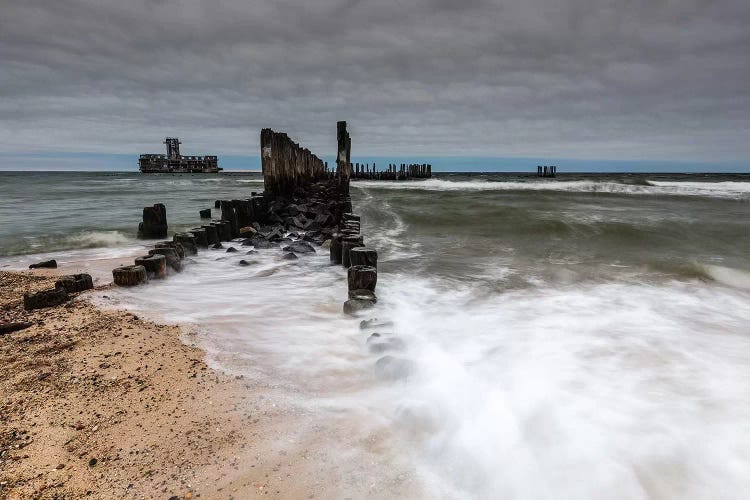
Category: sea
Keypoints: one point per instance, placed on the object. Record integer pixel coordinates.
(581, 337)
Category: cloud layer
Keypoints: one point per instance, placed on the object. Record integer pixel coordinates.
(621, 79)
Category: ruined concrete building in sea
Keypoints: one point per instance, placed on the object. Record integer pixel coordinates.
(175, 163)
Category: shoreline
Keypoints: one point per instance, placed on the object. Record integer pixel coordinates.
(103, 403)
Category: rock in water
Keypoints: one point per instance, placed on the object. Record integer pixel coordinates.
(47, 264)
(392, 368)
(290, 256)
(299, 247)
(217, 246)
(205, 214)
(46, 298)
(231, 250)
(354, 306)
(129, 275)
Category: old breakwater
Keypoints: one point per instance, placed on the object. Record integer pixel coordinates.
(303, 206)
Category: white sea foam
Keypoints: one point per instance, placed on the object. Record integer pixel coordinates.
(616, 390)
(737, 190)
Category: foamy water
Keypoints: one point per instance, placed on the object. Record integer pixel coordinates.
(562, 347)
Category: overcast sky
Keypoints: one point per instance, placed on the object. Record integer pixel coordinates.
(617, 79)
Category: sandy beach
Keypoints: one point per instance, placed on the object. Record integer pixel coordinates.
(104, 404)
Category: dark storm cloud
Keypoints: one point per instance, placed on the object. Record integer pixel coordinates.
(577, 78)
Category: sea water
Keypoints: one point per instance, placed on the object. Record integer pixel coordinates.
(580, 337)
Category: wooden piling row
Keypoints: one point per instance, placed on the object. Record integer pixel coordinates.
(394, 172)
(546, 171)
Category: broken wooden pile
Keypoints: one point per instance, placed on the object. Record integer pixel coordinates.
(65, 288)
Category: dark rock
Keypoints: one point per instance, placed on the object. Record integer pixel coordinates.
(354, 306)
(383, 345)
(260, 243)
(251, 252)
(290, 256)
(231, 250)
(217, 246)
(47, 264)
(244, 263)
(392, 368)
(299, 247)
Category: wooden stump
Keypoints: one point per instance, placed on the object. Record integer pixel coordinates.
(212, 234)
(335, 248)
(46, 298)
(217, 204)
(129, 275)
(170, 254)
(154, 223)
(156, 265)
(205, 214)
(6, 328)
(363, 256)
(75, 283)
(200, 237)
(178, 248)
(362, 278)
(347, 243)
(223, 230)
(187, 240)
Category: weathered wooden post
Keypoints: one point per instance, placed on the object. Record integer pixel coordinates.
(200, 237)
(212, 235)
(347, 243)
(129, 275)
(343, 159)
(171, 256)
(363, 256)
(205, 214)
(155, 265)
(187, 241)
(154, 223)
(362, 278)
(335, 250)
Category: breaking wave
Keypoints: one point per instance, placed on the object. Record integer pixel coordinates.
(729, 189)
